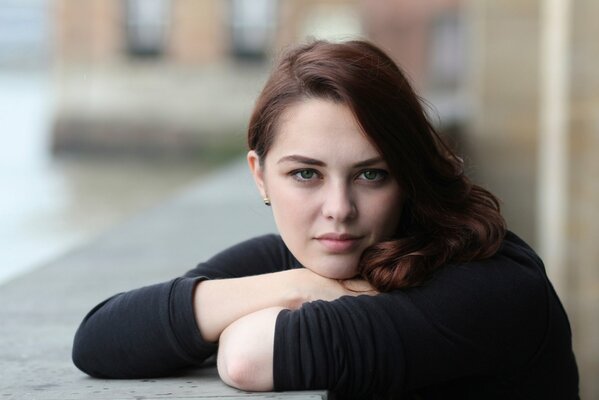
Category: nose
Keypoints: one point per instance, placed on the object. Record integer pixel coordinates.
(338, 204)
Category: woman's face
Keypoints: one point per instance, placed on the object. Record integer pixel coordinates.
(331, 191)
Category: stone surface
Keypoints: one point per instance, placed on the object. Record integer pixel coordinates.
(40, 311)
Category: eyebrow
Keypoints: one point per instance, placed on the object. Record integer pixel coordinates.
(313, 161)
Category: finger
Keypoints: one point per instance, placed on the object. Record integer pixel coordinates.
(360, 286)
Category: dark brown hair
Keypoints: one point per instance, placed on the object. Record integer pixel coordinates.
(445, 218)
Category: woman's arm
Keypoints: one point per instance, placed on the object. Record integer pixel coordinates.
(478, 319)
(159, 329)
(245, 361)
(338, 345)
(141, 333)
(152, 331)
(245, 356)
(218, 303)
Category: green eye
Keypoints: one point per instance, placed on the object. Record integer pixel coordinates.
(304, 175)
(373, 175)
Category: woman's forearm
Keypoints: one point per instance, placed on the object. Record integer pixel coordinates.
(146, 332)
(218, 303)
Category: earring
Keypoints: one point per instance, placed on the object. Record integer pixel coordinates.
(266, 201)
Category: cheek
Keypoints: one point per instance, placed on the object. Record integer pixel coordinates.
(293, 211)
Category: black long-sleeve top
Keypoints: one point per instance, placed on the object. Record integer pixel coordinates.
(490, 329)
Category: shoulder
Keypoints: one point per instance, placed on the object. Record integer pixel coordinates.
(515, 265)
(518, 251)
(270, 246)
(513, 281)
(258, 255)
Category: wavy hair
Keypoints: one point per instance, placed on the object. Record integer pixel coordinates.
(445, 217)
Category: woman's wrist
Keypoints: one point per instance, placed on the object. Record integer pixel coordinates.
(218, 303)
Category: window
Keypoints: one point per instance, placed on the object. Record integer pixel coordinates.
(146, 26)
(252, 26)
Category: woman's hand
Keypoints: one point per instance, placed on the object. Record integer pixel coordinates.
(311, 287)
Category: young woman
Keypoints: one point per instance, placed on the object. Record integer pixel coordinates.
(393, 276)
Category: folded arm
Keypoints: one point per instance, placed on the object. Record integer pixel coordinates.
(339, 345)
(246, 346)
(219, 303)
(159, 329)
(152, 331)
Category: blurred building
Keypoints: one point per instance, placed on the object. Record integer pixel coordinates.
(170, 77)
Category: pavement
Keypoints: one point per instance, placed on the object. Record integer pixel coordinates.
(41, 310)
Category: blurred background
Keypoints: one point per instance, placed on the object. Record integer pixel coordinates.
(108, 107)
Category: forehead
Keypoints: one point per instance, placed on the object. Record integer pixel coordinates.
(321, 129)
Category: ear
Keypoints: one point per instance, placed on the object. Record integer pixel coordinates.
(257, 171)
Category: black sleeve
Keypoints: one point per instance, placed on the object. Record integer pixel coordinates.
(478, 318)
(152, 331)
(351, 346)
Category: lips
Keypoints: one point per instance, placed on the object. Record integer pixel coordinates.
(338, 242)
